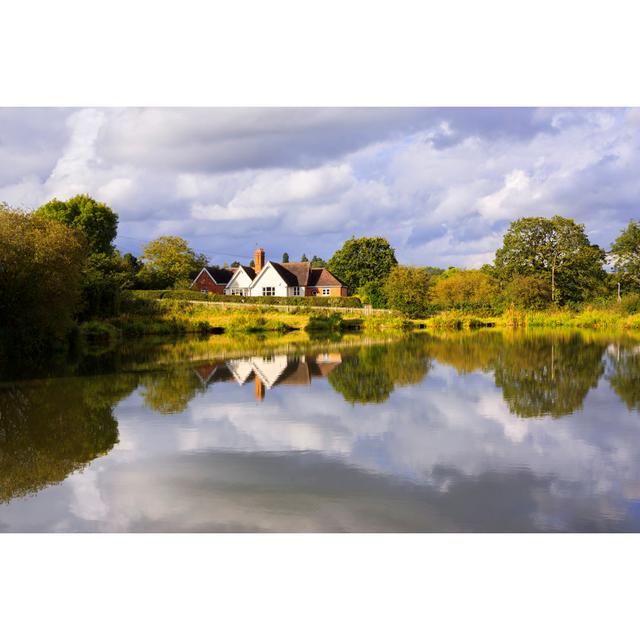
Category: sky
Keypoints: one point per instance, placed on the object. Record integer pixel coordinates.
(441, 184)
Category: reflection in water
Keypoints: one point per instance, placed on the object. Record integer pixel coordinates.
(485, 431)
(625, 374)
(51, 429)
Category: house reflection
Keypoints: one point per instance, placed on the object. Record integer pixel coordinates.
(268, 371)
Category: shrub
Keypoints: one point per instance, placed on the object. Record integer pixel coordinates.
(294, 301)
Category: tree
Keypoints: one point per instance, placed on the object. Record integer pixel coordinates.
(285, 257)
(362, 260)
(169, 259)
(373, 293)
(555, 249)
(625, 255)
(317, 261)
(304, 258)
(41, 263)
(95, 219)
(528, 292)
(463, 289)
(407, 290)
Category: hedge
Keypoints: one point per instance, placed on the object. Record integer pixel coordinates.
(293, 301)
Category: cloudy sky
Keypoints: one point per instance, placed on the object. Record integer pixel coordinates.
(441, 184)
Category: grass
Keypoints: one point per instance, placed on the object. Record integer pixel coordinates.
(142, 316)
(589, 318)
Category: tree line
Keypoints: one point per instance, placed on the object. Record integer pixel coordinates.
(59, 266)
(543, 263)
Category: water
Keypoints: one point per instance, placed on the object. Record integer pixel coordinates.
(484, 431)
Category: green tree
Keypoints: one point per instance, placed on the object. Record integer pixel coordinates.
(317, 261)
(95, 219)
(304, 258)
(528, 292)
(556, 249)
(41, 263)
(169, 259)
(625, 255)
(285, 257)
(373, 293)
(362, 260)
(407, 290)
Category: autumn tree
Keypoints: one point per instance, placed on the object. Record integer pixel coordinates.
(169, 260)
(362, 260)
(625, 255)
(555, 249)
(463, 289)
(407, 290)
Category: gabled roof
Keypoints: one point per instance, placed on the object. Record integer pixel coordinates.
(295, 274)
(250, 271)
(321, 277)
(219, 275)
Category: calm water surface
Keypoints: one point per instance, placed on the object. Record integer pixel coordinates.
(483, 431)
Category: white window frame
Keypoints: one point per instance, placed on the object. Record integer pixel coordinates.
(268, 291)
(296, 291)
(204, 290)
(326, 292)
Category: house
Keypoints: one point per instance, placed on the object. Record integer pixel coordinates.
(270, 370)
(283, 279)
(211, 279)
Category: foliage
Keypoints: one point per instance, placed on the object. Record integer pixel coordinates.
(407, 290)
(371, 373)
(293, 301)
(167, 260)
(528, 292)
(317, 261)
(373, 293)
(625, 255)
(362, 260)
(52, 428)
(557, 250)
(285, 257)
(95, 219)
(464, 289)
(41, 263)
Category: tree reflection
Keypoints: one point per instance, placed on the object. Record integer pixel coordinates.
(548, 375)
(371, 373)
(51, 428)
(170, 391)
(625, 378)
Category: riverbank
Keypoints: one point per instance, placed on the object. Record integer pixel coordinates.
(148, 317)
(586, 319)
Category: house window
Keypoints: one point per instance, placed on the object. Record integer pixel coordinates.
(296, 291)
(326, 292)
(204, 290)
(268, 291)
(236, 292)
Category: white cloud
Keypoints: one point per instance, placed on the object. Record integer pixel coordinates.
(441, 184)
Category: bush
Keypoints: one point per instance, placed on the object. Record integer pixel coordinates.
(294, 301)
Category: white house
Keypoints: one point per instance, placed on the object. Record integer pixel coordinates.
(283, 279)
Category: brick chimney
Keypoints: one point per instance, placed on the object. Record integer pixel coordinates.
(258, 260)
(259, 389)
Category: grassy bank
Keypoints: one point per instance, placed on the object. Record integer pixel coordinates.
(144, 317)
(588, 318)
